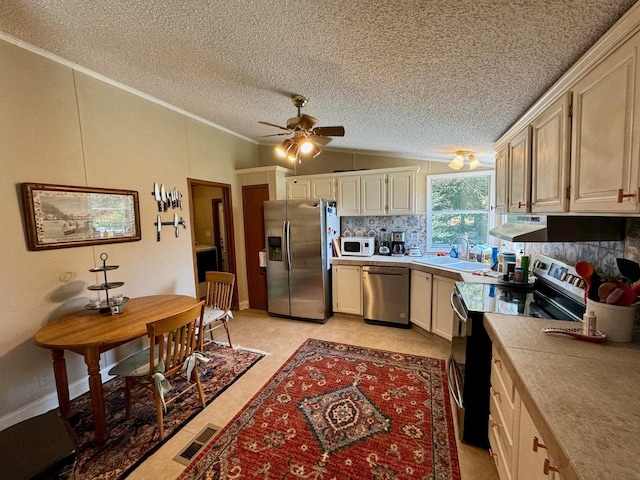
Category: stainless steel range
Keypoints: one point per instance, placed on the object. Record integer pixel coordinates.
(557, 293)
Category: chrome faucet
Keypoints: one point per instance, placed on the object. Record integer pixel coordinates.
(466, 252)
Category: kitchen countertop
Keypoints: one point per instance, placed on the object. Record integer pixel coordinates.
(410, 262)
(583, 397)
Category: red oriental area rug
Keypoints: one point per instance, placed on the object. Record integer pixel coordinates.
(337, 411)
(131, 440)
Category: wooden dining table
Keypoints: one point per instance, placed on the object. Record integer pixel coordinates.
(89, 333)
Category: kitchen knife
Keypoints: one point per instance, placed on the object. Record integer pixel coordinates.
(163, 195)
(176, 224)
(174, 198)
(156, 193)
(180, 201)
(159, 227)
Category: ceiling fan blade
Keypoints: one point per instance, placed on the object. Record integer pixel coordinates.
(273, 125)
(274, 135)
(320, 140)
(307, 122)
(329, 131)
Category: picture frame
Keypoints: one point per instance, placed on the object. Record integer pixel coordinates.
(62, 216)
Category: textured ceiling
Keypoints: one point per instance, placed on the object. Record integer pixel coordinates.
(418, 79)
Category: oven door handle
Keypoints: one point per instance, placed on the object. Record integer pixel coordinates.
(454, 383)
(453, 306)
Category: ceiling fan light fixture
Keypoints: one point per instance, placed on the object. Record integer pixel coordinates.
(283, 149)
(316, 151)
(293, 152)
(473, 162)
(306, 146)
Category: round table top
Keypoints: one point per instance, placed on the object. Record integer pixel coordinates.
(89, 328)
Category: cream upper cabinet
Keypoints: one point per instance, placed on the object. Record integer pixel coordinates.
(501, 179)
(519, 184)
(401, 196)
(347, 289)
(606, 135)
(348, 202)
(420, 307)
(550, 146)
(373, 191)
(303, 188)
(323, 187)
(442, 316)
(298, 189)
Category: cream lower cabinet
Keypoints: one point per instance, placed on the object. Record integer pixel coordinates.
(347, 289)
(442, 316)
(516, 445)
(420, 308)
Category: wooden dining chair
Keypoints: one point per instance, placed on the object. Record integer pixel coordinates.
(173, 343)
(217, 304)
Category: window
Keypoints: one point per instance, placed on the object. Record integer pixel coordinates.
(459, 204)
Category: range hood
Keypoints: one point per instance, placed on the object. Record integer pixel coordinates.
(532, 228)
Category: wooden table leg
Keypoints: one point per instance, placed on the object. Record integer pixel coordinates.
(62, 383)
(92, 359)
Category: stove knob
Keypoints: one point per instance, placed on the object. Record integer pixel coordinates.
(582, 284)
(565, 277)
(577, 281)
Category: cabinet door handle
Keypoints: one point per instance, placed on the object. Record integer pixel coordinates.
(548, 468)
(622, 195)
(495, 360)
(493, 423)
(494, 392)
(537, 444)
(524, 204)
(493, 454)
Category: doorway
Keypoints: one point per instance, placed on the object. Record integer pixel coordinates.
(213, 233)
(253, 196)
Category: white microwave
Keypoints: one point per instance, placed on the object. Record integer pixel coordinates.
(357, 246)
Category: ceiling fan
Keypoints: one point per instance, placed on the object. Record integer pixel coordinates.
(306, 139)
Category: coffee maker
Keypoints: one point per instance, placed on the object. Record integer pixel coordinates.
(397, 244)
(384, 248)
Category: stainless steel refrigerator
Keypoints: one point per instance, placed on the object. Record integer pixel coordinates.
(299, 237)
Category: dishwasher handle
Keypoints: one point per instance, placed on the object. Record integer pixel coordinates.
(385, 270)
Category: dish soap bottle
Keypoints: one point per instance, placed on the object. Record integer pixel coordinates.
(454, 252)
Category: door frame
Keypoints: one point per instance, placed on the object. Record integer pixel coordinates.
(230, 233)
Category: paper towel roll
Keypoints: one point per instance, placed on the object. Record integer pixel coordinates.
(263, 259)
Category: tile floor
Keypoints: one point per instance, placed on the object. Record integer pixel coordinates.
(281, 337)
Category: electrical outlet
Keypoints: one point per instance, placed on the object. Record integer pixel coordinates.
(43, 379)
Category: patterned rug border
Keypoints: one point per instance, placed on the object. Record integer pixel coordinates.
(153, 450)
(141, 460)
(451, 437)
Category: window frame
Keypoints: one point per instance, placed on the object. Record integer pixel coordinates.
(443, 176)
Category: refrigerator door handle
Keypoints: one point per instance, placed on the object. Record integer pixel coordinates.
(288, 243)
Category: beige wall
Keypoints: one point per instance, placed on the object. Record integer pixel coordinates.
(59, 125)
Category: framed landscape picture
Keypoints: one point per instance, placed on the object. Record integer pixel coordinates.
(59, 216)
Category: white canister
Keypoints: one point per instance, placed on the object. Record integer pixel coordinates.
(614, 320)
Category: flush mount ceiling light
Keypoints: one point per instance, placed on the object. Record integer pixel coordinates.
(306, 140)
(458, 161)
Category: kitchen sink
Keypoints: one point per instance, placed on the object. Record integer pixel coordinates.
(452, 263)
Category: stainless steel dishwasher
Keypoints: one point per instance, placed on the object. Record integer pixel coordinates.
(386, 296)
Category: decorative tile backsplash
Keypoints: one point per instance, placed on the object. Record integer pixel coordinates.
(602, 255)
(370, 227)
